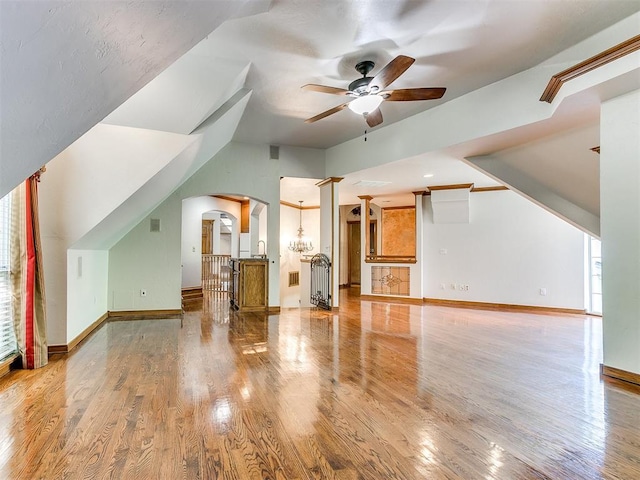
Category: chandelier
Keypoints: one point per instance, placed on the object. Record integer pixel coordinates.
(300, 244)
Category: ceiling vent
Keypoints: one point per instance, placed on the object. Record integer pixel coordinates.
(371, 183)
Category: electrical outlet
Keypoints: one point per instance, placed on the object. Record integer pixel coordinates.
(442, 286)
(143, 292)
(453, 286)
(543, 292)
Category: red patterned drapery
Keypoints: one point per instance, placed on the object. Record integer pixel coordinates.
(27, 278)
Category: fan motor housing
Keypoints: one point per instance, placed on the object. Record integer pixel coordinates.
(360, 85)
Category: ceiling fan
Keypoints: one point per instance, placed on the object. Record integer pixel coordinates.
(368, 92)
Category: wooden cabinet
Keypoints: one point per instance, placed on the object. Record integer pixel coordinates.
(250, 285)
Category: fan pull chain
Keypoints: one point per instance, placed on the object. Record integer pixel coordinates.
(365, 135)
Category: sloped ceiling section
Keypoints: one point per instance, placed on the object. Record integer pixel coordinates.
(102, 168)
(209, 139)
(539, 193)
(184, 95)
(66, 65)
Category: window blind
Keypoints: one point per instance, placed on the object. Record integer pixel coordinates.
(7, 337)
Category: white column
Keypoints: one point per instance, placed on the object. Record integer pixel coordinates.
(254, 226)
(365, 242)
(330, 232)
(620, 230)
(417, 285)
(216, 233)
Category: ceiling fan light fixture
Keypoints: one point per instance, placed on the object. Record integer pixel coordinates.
(365, 104)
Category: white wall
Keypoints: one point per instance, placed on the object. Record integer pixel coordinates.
(191, 247)
(81, 186)
(225, 244)
(148, 260)
(87, 284)
(263, 223)
(509, 251)
(620, 207)
(290, 261)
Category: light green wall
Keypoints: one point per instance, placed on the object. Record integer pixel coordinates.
(148, 260)
(151, 261)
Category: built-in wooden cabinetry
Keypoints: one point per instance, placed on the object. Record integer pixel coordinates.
(250, 285)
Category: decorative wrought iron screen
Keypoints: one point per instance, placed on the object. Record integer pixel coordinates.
(321, 281)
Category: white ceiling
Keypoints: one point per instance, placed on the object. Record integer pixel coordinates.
(402, 178)
(462, 45)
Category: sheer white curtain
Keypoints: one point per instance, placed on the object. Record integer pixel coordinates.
(8, 345)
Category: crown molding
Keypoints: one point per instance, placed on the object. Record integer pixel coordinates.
(329, 180)
(497, 188)
(609, 55)
(292, 205)
(455, 186)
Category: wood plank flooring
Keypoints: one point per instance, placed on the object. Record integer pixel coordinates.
(376, 391)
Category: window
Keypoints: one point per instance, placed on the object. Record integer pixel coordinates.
(7, 336)
(595, 275)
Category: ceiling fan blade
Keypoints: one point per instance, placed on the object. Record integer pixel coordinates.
(410, 94)
(331, 111)
(324, 89)
(373, 118)
(390, 72)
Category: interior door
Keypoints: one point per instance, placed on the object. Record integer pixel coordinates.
(207, 237)
(354, 253)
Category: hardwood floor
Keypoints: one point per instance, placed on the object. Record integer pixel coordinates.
(376, 391)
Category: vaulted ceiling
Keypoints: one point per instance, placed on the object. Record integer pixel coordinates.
(68, 65)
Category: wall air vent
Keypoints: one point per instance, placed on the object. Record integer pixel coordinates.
(155, 225)
(371, 183)
(294, 279)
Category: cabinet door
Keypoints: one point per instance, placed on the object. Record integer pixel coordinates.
(254, 287)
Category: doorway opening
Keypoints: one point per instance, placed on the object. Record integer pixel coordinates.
(354, 248)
